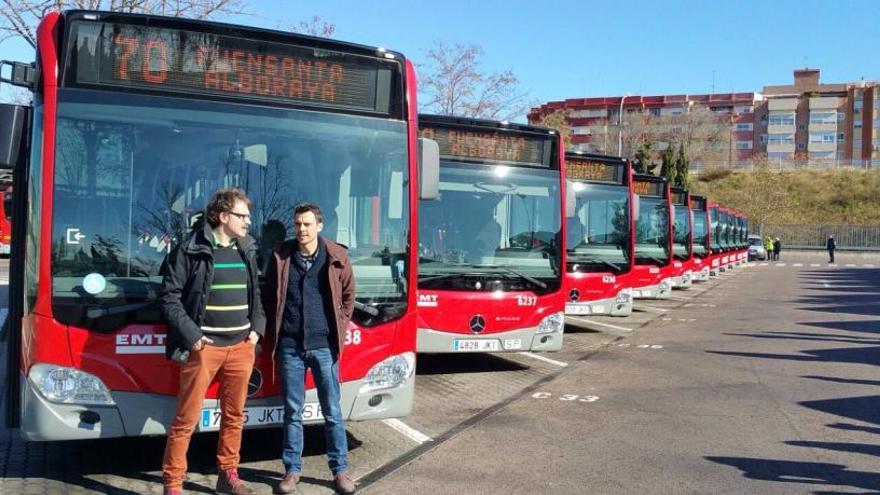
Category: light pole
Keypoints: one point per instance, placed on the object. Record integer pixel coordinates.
(620, 125)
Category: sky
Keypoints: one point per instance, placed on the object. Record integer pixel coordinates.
(574, 49)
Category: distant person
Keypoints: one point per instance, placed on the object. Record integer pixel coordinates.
(830, 246)
(777, 248)
(768, 247)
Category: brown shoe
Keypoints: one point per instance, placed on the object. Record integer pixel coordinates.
(228, 483)
(288, 483)
(343, 483)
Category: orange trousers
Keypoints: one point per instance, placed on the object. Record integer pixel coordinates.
(232, 366)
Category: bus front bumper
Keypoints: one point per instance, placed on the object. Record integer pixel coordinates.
(660, 291)
(684, 281)
(612, 306)
(144, 414)
(525, 339)
(702, 275)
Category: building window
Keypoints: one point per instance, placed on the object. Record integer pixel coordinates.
(841, 116)
(801, 146)
(801, 127)
(841, 137)
(823, 117)
(821, 137)
(744, 109)
(744, 127)
(783, 118)
(654, 111)
(780, 139)
(857, 123)
(778, 155)
(743, 145)
(763, 139)
(857, 106)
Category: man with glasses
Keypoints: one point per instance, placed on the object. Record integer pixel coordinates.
(210, 299)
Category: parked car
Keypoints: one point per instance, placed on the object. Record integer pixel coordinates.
(756, 248)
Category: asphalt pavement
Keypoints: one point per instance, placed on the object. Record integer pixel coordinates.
(763, 380)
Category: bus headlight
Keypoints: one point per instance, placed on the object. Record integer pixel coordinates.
(390, 372)
(552, 323)
(624, 296)
(69, 386)
(665, 285)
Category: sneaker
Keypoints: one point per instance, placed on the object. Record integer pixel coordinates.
(172, 490)
(343, 483)
(288, 483)
(228, 483)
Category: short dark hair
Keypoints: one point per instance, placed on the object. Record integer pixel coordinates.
(223, 201)
(309, 207)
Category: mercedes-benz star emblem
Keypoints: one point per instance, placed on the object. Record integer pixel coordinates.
(478, 323)
(574, 295)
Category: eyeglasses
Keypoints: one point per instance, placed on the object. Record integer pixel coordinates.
(243, 216)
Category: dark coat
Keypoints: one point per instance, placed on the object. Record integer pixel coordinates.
(187, 273)
(777, 246)
(341, 281)
(830, 245)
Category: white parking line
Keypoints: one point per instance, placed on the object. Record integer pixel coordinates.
(779, 264)
(869, 265)
(814, 264)
(798, 264)
(542, 358)
(407, 431)
(850, 265)
(764, 264)
(592, 322)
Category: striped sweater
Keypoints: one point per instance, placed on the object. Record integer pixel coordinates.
(226, 314)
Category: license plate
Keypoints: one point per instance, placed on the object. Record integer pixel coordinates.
(637, 293)
(599, 310)
(258, 416)
(512, 344)
(577, 309)
(475, 345)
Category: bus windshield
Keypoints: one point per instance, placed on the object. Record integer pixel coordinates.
(652, 231)
(598, 235)
(701, 247)
(134, 172)
(682, 230)
(491, 220)
(715, 225)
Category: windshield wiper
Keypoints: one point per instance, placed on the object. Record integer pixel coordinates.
(537, 283)
(432, 278)
(95, 312)
(366, 308)
(589, 259)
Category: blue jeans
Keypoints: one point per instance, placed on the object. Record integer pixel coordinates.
(325, 370)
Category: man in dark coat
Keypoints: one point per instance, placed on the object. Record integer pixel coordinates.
(210, 298)
(830, 245)
(777, 248)
(309, 299)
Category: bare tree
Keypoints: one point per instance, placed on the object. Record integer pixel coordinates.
(453, 83)
(316, 26)
(557, 120)
(19, 18)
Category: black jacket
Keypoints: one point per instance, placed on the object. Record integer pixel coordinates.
(187, 273)
(830, 244)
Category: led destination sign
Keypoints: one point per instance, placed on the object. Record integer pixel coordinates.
(589, 170)
(159, 59)
(645, 188)
(490, 145)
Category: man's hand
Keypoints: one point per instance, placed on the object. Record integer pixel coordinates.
(253, 337)
(201, 343)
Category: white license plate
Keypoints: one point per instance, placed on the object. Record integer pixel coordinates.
(637, 293)
(4, 248)
(512, 344)
(577, 309)
(258, 416)
(599, 310)
(475, 345)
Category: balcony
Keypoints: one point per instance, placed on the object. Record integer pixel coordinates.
(814, 147)
(780, 147)
(782, 104)
(824, 103)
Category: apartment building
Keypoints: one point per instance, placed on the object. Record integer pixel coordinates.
(806, 121)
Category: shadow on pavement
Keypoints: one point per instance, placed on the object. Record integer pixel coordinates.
(852, 355)
(437, 364)
(810, 473)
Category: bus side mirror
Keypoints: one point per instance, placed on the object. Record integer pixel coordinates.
(570, 200)
(429, 169)
(12, 120)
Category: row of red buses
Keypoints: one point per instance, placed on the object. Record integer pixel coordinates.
(135, 121)
(633, 236)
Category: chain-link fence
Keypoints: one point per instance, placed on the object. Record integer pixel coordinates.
(860, 237)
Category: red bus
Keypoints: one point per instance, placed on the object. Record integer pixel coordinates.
(702, 239)
(491, 257)
(682, 239)
(728, 234)
(743, 243)
(136, 120)
(716, 246)
(653, 268)
(599, 236)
